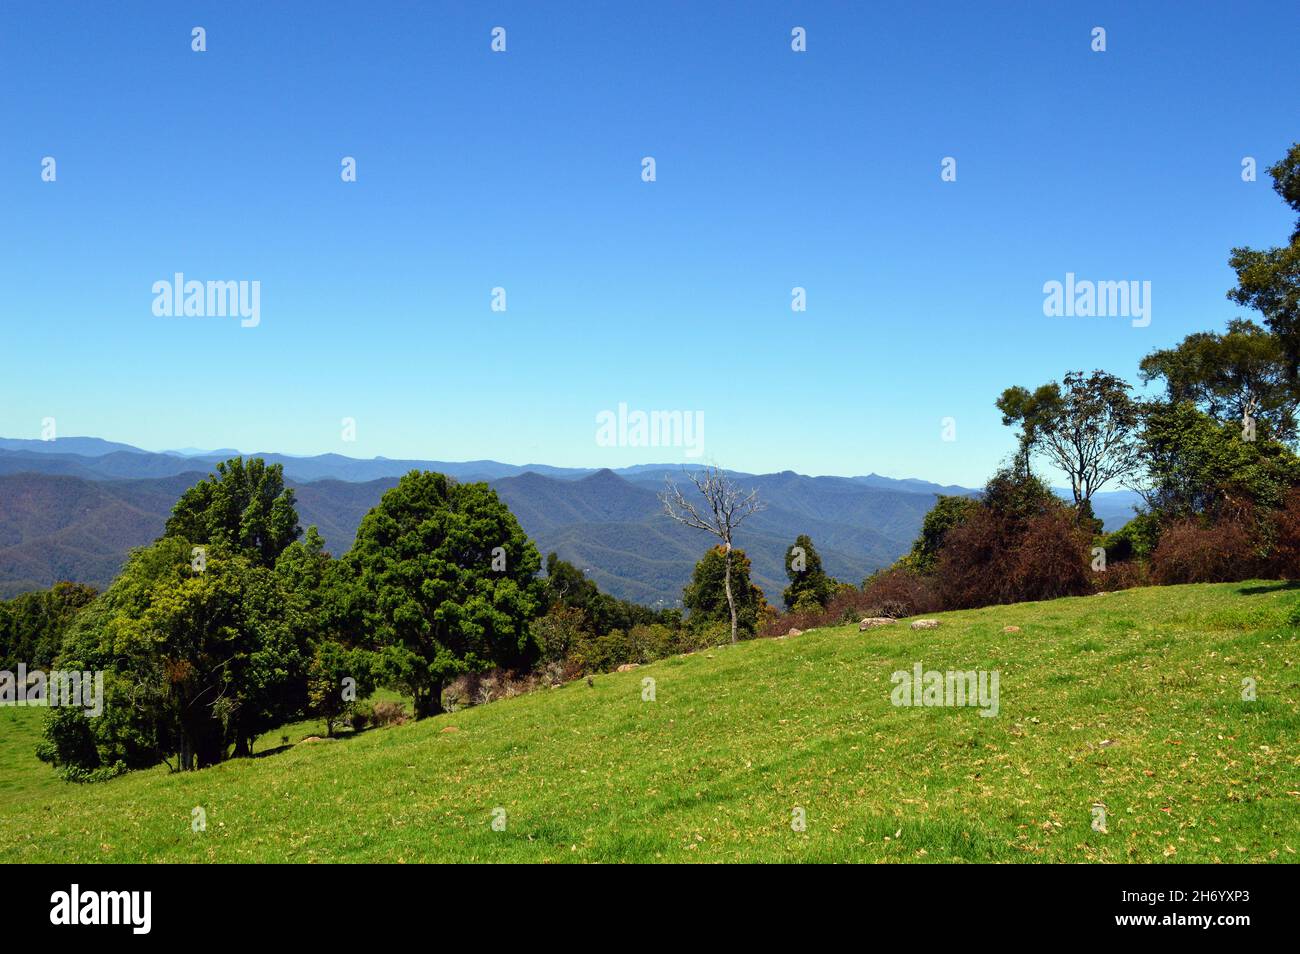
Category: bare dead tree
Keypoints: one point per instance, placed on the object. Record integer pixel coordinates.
(726, 508)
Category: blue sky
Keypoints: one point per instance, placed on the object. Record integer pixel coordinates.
(522, 170)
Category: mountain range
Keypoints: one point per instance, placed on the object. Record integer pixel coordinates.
(71, 509)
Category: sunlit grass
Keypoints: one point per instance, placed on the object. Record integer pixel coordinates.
(1131, 701)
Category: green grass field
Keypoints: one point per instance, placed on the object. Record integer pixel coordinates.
(1130, 700)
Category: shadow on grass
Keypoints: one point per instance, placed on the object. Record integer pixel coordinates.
(1277, 587)
(336, 737)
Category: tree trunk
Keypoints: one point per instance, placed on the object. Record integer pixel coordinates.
(731, 599)
(428, 702)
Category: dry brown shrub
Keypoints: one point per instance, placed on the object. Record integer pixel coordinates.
(1191, 551)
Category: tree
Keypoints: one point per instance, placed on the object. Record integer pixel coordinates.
(244, 506)
(559, 631)
(810, 588)
(1239, 376)
(1269, 280)
(195, 661)
(1086, 427)
(1029, 411)
(1195, 465)
(337, 678)
(720, 587)
(727, 508)
(449, 581)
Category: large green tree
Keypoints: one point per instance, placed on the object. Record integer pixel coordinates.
(1086, 427)
(244, 506)
(1268, 280)
(197, 660)
(1197, 465)
(450, 583)
(1236, 376)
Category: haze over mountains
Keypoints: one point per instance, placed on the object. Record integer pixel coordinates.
(71, 509)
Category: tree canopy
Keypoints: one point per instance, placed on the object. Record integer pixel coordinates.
(1235, 376)
(810, 588)
(1268, 280)
(244, 506)
(449, 583)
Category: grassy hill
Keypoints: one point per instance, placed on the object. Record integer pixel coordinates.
(1130, 700)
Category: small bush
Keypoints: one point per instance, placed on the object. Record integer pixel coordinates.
(359, 717)
(388, 713)
(1123, 575)
(899, 592)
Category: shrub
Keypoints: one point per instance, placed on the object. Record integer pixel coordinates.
(1051, 559)
(971, 569)
(359, 717)
(1286, 554)
(899, 592)
(1191, 551)
(1123, 575)
(997, 558)
(1137, 538)
(388, 713)
(559, 631)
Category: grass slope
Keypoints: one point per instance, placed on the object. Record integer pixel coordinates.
(1131, 700)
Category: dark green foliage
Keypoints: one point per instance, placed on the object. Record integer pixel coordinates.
(706, 598)
(1196, 465)
(949, 511)
(567, 585)
(1137, 538)
(810, 588)
(1228, 376)
(244, 507)
(1269, 280)
(1017, 498)
(440, 599)
(32, 625)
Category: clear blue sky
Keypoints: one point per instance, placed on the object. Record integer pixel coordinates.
(522, 170)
